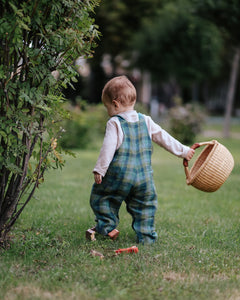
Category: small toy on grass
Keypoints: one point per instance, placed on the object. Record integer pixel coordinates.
(96, 253)
(133, 249)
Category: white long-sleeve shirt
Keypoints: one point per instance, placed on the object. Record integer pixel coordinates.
(114, 137)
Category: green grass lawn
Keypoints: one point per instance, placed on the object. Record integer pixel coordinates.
(196, 256)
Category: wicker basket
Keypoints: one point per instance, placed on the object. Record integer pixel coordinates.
(211, 168)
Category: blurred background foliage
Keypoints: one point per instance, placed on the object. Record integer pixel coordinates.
(186, 121)
(84, 125)
(185, 49)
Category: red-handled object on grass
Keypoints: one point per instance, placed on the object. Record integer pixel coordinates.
(132, 249)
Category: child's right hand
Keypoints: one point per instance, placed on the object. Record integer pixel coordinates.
(97, 178)
(190, 154)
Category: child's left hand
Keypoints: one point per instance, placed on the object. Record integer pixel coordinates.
(97, 178)
(190, 154)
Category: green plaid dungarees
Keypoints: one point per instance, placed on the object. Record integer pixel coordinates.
(129, 178)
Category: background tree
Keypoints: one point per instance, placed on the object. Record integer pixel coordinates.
(118, 21)
(226, 15)
(177, 44)
(36, 38)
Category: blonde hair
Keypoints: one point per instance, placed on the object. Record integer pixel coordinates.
(120, 89)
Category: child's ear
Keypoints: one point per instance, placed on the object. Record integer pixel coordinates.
(115, 103)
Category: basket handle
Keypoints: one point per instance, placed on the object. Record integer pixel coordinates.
(194, 146)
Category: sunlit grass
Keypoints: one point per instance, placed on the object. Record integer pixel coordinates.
(196, 255)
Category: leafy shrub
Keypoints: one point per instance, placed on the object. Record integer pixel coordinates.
(186, 122)
(85, 125)
(39, 40)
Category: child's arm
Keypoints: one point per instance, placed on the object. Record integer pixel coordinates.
(165, 140)
(168, 142)
(108, 149)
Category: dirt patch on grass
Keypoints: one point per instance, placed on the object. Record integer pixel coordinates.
(233, 294)
(26, 292)
(193, 277)
(176, 277)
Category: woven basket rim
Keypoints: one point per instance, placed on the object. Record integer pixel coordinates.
(214, 146)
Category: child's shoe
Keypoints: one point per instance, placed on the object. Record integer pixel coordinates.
(90, 234)
(113, 234)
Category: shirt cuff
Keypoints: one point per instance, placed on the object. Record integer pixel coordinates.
(99, 172)
(185, 151)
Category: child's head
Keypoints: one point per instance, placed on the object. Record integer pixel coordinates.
(119, 89)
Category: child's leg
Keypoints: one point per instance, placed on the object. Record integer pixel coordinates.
(142, 206)
(106, 209)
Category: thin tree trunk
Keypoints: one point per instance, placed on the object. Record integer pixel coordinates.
(231, 93)
(146, 92)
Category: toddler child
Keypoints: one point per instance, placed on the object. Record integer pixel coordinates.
(123, 171)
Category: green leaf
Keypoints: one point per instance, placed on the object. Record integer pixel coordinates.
(25, 110)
